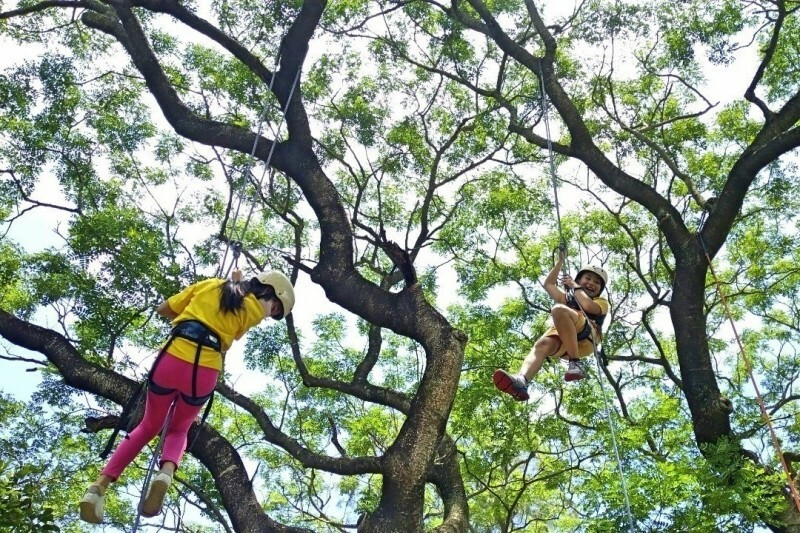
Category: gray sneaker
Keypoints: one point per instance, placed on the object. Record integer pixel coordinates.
(575, 371)
(91, 505)
(155, 496)
(512, 384)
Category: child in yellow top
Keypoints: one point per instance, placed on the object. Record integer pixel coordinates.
(571, 336)
(185, 373)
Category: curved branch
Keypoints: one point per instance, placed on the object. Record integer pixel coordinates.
(121, 24)
(216, 453)
(42, 6)
(741, 177)
(309, 459)
(359, 387)
(750, 93)
(583, 146)
(179, 12)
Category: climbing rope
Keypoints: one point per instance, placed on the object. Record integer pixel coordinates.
(545, 112)
(563, 246)
(151, 467)
(764, 413)
(611, 424)
(246, 171)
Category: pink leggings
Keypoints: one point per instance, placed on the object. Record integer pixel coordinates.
(171, 373)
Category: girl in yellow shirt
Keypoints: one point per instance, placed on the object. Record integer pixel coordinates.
(207, 317)
(571, 336)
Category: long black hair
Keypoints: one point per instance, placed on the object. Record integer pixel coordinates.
(234, 292)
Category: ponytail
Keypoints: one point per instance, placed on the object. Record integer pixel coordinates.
(234, 292)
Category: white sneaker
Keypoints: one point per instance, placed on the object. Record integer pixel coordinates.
(91, 505)
(155, 496)
(575, 371)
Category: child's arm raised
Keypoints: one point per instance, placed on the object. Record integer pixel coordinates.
(551, 282)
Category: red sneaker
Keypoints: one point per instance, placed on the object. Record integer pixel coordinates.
(511, 384)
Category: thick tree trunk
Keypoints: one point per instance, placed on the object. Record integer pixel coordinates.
(411, 457)
(710, 411)
(446, 475)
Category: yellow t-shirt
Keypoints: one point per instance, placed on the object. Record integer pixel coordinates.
(200, 301)
(603, 303)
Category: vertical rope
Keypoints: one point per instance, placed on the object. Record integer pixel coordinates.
(272, 148)
(611, 424)
(151, 467)
(764, 413)
(284, 111)
(612, 427)
(594, 344)
(247, 167)
(562, 242)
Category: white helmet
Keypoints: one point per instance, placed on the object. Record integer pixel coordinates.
(600, 271)
(283, 289)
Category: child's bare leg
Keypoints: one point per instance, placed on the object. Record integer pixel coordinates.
(544, 348)
(566, 322)
(104, 481)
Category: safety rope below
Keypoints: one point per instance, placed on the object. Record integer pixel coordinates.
(151, 467)
(764, 413)
(611, 424)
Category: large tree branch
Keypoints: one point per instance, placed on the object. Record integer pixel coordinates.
(359, 387)
(210, 448)
(230, 475)
(769, 52)
(446, 476)
(123, 25)
(742, 174)
(42, 6)
(309, 459)
(583, 146)
(201, 25)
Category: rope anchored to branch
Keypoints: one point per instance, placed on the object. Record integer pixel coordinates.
(563, 247)
(247, 170)
(762, 406)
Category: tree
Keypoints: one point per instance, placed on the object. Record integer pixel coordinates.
(433, 135)
(648, 135)
(407, 464)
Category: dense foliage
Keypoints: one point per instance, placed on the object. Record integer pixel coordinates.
(417, 126)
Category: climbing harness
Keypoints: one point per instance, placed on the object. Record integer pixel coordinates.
(152, 466)
(586, 330)
(221, 271)
(597, 355)
(764, 413)
(202, 336)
